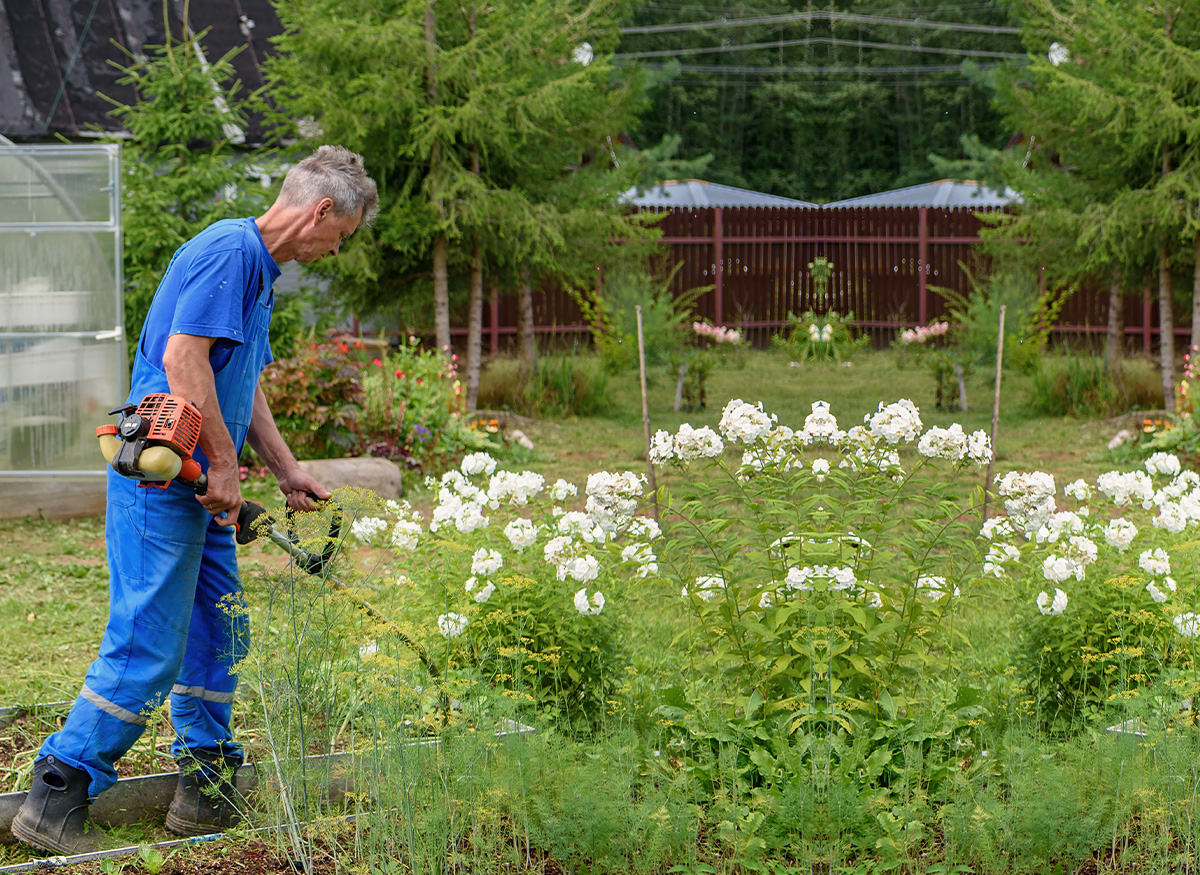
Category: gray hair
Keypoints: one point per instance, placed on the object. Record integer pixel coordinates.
(338, 174)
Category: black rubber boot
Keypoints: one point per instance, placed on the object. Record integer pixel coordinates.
(206, 799)
(54, 816)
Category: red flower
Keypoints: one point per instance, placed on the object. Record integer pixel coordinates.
(302, 373)
(344, 348)
(358, 344)
(377, 363)
(399, 374)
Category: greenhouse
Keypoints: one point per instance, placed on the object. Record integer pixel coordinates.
(62, 349)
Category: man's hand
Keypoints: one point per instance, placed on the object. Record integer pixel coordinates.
(300, 487)
(224, 496)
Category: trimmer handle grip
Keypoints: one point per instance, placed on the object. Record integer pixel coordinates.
(248, 526)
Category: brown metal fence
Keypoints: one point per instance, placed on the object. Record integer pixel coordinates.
(886, 263)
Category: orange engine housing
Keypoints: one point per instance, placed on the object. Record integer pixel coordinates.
(174, 421)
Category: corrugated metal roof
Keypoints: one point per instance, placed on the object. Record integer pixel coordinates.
(943, 193)
(39, 39)
(681, 194)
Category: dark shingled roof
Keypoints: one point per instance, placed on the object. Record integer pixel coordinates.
(39, 39)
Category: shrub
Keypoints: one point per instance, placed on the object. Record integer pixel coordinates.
(1079, 384)
(316, 397)
(412, 406)
(567, 384)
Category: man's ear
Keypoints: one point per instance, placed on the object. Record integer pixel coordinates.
(323, 209)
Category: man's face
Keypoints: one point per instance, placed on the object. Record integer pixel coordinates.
(325, 232)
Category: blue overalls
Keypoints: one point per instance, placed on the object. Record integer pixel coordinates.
(176, 624)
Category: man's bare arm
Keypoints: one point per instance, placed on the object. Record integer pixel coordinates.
(266, 440)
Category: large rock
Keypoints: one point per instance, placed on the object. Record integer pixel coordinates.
(378, 475)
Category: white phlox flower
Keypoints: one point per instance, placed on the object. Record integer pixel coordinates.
(1187, 625)
(406, 534)
(1082, 550)
(697, 443)
(1028, 498)
(1155, 593)
(898, 422)
(521, 533)
(798, 579)
(1172, 517)
(1169, 582)
(820, 426)
(979, 447)
(403, 580)
(707, 588)
(745, 423)
(1124, 489)
(943, 443)
(451, 625)
(395, 508)
(1052, 607)
(612, 498)
(644, 527)
(366, 528)
(1120, 533)
(589, 607)
(996, 527)
(562, 489)
(662, 447)
(998, 556)
(820, 467)
(1155, 562)
(931, 588)
(486, 561)
(1056, 525)
(369, 648)
(514, 488)
(469, 518)
(485, 593)
(1078, 490)
(478, 463)
(558, 551)
(642, 556)
(1056, 569)
(580, 568)
(1164, 464)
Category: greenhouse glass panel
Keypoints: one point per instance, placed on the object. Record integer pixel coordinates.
(62, 347)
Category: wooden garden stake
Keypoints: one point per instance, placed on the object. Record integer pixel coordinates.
(995, 411)
(646, 409)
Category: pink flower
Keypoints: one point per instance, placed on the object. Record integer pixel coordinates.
(377, 363)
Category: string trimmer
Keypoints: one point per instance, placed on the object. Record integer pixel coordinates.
(153, 442)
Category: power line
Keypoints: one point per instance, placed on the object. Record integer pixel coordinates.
(860, 70)
(819, 15)
(814, 41)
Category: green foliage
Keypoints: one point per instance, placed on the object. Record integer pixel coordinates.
(691, 366)
(412, 408)
(790, 105)
(1029, 316)
(316, 397)
(1073, 385)
(612, 315)
(180, 172)
(567, 384)
(813, 338)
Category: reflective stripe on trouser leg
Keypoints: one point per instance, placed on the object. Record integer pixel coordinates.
(155, 539)
(202, 697)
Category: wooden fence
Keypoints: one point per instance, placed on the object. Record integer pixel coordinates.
(887, 264)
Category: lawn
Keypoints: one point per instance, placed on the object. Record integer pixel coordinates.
(628, 794)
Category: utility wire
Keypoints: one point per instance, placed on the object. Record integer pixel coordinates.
(819, 15)
(870, 71)
(815, 41)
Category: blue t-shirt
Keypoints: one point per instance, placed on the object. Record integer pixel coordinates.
(210, 290)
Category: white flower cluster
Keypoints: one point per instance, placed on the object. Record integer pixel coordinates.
(745, 423)
(895, 423)
(1126, 488)
(460, 502)
(687, 445)
(366, 528)
(486, 561)
(998, 557)
(953, 444)
(562, 490)
(514, 488)
(521, 533)
(451, 625)
(1163, 463)
(612, 498)
(1052, 607)
(589, 607)
(406, 534)
(1188, 625)
(478, 463)
(820, 426)
(1028, 498)
(707, 588)
(931, 588)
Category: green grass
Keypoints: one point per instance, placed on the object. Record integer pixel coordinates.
(585, 804)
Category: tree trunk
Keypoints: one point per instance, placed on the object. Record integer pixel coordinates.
(1195, 305)
(475, 327)
(1166, 329)
(441, 274)
(526, 341)
(1114, 339)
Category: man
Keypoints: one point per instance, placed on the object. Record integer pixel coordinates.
(174, 626)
